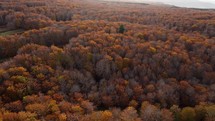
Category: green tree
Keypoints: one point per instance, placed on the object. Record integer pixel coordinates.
(200, 112)
(176, 112)
(121, 29)
(188, 114)
(210, 110)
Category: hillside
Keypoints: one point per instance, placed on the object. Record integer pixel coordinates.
(92, 60)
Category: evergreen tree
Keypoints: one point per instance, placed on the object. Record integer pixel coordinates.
(121, 29)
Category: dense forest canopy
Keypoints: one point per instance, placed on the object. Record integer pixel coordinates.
(88, 60)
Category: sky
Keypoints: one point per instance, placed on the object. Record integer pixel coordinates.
(182, 3)
(210, 1)
(189, 3)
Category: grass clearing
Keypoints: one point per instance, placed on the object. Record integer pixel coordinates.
(17, 31)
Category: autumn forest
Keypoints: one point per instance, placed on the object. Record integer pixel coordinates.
(93, 60)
